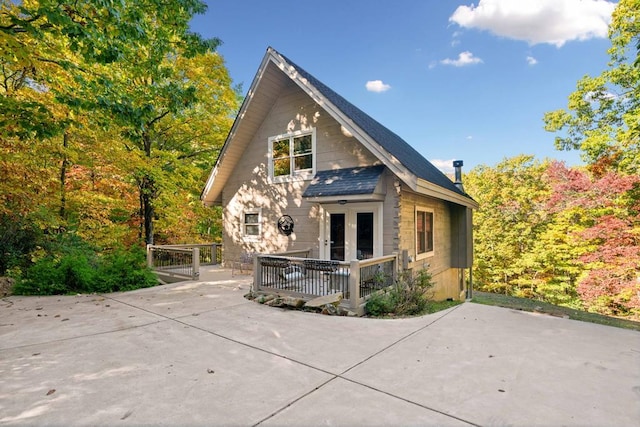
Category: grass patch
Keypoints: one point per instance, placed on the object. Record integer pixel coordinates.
(436, 306)
(526, 304)
(430, 308)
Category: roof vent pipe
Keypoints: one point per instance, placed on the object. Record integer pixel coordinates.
(457, 165)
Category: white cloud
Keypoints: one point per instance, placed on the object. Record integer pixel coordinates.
(446, 166)
(377, 86)
(464, 58)
(531, 60)
(542, 21)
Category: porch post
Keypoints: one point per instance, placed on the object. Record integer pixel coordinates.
(214, 253)
(150, 256)
(195, 274)
(396, 267)
(354, 285)
(257, 273)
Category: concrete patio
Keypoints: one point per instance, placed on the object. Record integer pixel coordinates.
(198, 353)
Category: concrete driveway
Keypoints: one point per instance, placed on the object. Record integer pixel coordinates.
(200, 354)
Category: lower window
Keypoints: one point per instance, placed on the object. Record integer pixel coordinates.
(251, 224)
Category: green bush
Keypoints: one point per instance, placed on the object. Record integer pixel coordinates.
(409, 296)
(18, 237)
(124, 270)
(76, 267)
(380, 304)
(72, 273)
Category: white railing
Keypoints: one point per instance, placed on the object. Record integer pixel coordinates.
(182, 261)
(305, 277)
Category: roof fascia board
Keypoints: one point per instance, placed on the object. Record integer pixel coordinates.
(347, 198)
(234, 128)
(429, 189)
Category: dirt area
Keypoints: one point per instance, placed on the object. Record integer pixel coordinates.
(6, 283)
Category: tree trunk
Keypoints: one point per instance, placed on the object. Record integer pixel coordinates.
(147, 206)
(63, 176)
(148, 195)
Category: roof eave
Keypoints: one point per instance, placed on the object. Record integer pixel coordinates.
(429, 189)
(212, 193)
(371, 197)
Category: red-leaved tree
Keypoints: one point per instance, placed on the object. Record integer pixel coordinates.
(607, 225)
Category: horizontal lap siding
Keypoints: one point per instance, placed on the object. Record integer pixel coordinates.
(248, 185)
(439, 265)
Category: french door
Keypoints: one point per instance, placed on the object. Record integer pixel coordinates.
(351, 231)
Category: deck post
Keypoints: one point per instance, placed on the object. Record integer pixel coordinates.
(396, 267)
(257, 273)
(214, 253)
(149, 256)
(195, 274)
(354, 285)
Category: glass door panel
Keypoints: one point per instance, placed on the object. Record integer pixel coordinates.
(337, 237)
(364, 235)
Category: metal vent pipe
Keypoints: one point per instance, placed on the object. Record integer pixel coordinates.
(457, 165)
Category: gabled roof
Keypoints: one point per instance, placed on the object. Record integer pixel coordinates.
(405, 153)
(396, 154)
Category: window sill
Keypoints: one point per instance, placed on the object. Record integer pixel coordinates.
(296, 178)
(424, 255)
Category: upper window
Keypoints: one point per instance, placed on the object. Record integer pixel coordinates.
(292, 155)
(424, 231)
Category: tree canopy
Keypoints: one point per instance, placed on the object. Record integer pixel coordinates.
(572, 235)
(112, 115)
(602, 118)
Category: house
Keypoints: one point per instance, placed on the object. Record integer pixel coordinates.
(302, 168)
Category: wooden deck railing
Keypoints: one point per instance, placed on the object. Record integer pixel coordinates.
(182, 261)
(305, 277)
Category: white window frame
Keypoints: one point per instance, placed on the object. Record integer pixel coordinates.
(244, 223)
(304, 174)
(430, 253)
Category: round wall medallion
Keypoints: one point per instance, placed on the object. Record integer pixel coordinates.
(285, 225)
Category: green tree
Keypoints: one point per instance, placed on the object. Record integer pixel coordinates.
(603, 115)
(173, 120)
(511, 217)
(85, 88)
(102, 47)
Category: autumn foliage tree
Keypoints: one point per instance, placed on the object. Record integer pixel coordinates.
(585, 251)
(609, 231)
(112, 114)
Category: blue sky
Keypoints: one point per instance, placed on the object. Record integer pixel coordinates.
(455, 79)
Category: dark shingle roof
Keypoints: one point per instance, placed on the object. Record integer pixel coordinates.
(391, 142)
(343, 182)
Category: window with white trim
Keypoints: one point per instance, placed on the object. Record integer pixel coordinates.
(252, 223)
(292, 155)
(424, 232)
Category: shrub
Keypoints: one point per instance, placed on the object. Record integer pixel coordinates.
(72, 273)
(380, 304)
(124, 270)
(409, 296)
(77, 268)
(18, 237)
